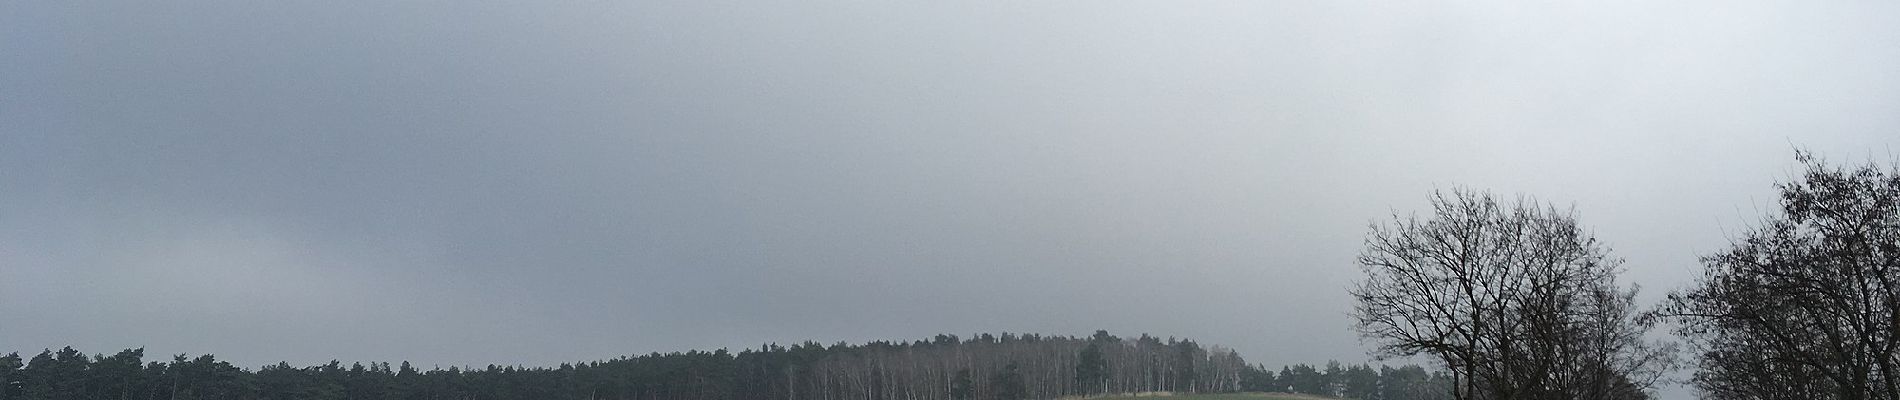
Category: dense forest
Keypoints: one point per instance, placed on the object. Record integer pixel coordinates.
(946, 367)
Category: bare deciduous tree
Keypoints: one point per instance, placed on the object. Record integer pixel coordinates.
(1518, 301)
(1804, 307)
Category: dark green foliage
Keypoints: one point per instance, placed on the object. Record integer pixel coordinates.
(36, 381)
(1091, 369)
(1333, 377)
(962, 388)
(10, 365)
(1302, 378)
(1258, 379)
(1409, 382)
(1184, 371)
(1358, 382)
(1007, 384)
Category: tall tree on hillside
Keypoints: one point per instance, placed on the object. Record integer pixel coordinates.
(1807, 305)
(1518, 300)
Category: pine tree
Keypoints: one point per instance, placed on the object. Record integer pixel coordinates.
(10, 375)
(1007, 384)
(962, 388)
(1090, 369)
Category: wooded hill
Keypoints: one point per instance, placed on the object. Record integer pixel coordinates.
(945, 367)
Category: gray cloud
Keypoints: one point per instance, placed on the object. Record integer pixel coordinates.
(534, 183)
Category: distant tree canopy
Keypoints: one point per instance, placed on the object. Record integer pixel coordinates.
(1518, 301)
(1409, 382)
(1804, 306)
(946, 367)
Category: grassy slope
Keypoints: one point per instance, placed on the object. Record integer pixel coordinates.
(1232, 396)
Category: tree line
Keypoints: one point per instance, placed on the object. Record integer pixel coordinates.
(1408, 382)
(946, 367)
(989, 367)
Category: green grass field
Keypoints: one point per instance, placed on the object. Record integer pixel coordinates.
(1230, 396)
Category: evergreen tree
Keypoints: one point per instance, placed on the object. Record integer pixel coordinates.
(1284, 382)
(1402, 383)
(36, 381)
(1091, 369)
(1359, 382)
(1307, 380)
(962, 388)
(1332, 379)
(1257, 379)
(10, 375)
(1007, 384)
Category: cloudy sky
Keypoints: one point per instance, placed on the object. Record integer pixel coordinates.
(455, 183)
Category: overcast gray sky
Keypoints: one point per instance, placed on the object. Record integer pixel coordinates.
(462, 183)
